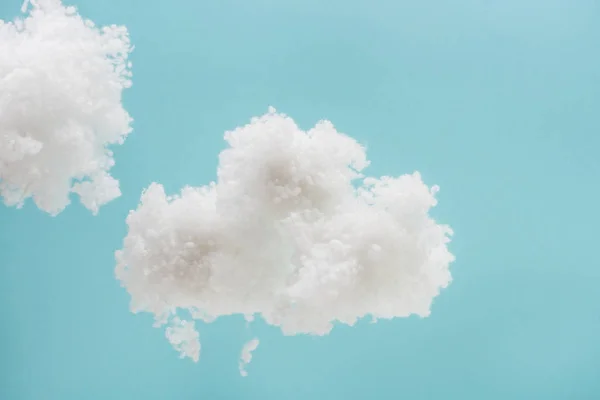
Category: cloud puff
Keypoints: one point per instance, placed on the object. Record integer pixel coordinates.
(184, 338)
(61, 81)
(246, 355)
(291, 232)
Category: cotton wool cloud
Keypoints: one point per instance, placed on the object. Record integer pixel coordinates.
(246, 355)
(61, 84)
(292, 232)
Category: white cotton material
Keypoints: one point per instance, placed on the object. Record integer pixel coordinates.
(61, 84)
(184, 338)
(291, 232)
(246, 355)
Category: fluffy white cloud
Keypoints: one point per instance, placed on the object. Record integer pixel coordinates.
(291, 232)
(246, 355)
(61, 81)
(184, 338)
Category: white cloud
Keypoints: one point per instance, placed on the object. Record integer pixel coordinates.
(184, 338)
(246, 355)
(292, 232)
(61, 81)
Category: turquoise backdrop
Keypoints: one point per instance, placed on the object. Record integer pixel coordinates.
(496, 101)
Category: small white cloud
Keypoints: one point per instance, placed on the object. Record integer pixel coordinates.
(246, 355)
(291, 232)
(61, 81)
(184, 338)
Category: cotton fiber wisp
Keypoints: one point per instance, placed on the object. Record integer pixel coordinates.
(246, 355)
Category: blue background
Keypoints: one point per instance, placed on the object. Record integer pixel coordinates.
(495, 101)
